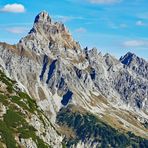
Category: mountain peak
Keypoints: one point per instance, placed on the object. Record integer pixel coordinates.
(136, 64)
(127, 58)
(42, 17)
(51, 35)
(44, 22)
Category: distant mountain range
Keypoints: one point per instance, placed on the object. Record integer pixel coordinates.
(55, 94)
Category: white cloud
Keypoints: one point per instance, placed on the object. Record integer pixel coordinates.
(104, 1)
(136, 43)
(80, 30)
(16, 30)
(140, 23)
(15, 8)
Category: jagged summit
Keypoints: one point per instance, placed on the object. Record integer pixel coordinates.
(127, 58)
(44, 21)
(49, 35)
(130, 59)
(136, 64)
(42, 17)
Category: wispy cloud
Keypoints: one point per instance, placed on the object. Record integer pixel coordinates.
(67, 18)
(143, 15)
(135, 43)
(80, 30)
(123, 25)
(104, 1)
(16, 24)
(140, 23)
(117, 26)
(14, 8)
(16, 30)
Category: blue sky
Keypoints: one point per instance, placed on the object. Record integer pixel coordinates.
(113, 26)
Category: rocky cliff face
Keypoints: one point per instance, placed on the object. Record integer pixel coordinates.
(55, 71)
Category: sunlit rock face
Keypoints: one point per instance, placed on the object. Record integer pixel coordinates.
(53, 69)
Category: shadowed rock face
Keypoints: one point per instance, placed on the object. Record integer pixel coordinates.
(45, 62)
(52, 68)
(67, 97)
(127, 59)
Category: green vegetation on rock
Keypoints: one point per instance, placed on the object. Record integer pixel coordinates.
(7, 135)
(14, 121)
(88, 128)
(7, 81)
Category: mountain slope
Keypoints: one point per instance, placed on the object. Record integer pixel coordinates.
(22, 123)
(91, 131)
(55, 71)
